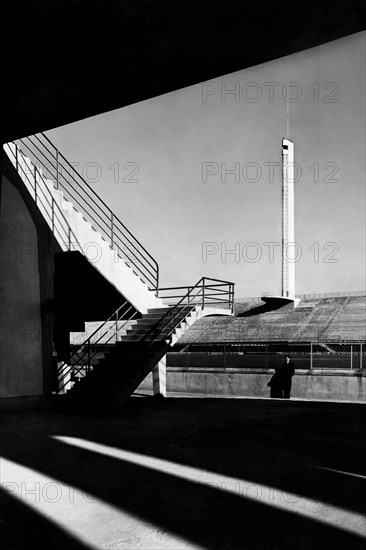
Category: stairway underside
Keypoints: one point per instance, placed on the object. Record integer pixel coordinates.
(126, 364)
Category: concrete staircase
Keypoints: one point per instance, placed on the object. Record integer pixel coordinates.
(127, 363)
(108, 366)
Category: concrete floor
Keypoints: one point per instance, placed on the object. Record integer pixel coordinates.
(182, 473)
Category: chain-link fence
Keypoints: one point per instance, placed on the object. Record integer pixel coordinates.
(308, 356)
(338, 355)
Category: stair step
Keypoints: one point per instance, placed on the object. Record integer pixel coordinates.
(145, 322)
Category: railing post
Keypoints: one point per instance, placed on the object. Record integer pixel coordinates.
(57, 169)
(112, 230)
(35, 183)
(157, 280)
(116, 330)
(89, 359)
(16, 157)
(203, 293)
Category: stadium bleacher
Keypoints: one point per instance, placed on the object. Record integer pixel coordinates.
(327, 318)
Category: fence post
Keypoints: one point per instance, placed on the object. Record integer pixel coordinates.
(351, 356)
(361, 356)
(266, 357)
(311, 355)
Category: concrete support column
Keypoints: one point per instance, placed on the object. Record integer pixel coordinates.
(64, 377)
(159, 378)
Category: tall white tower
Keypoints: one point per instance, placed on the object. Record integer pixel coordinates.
(288, 220)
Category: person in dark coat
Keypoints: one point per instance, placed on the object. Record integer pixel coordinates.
(287, 371)
(281, 381)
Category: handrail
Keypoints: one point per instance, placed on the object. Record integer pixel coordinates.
(196, 295)
(63, 372)
(201, 284)
(118, 235)
(52, 203)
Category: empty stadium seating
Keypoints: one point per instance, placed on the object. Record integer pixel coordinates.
(341, 317)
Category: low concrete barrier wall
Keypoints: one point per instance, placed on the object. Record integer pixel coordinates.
(252, 382)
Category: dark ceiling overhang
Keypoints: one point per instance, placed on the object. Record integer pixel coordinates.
(65, 60)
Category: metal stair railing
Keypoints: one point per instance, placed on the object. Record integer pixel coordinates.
(42, 151)
(81, 359)
(198, 295)
(202, 294)
(43, 198)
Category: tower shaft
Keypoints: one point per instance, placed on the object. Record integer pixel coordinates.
(288, 220)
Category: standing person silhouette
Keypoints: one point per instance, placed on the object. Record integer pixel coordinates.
(281, 381)
(287, 371)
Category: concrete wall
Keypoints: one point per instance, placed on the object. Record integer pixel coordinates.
(250, 382)
(26, 291)
(20, 309)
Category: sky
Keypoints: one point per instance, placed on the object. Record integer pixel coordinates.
(163, 166)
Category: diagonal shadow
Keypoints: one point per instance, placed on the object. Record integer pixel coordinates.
(195, 511)
(21, 527)
(227, 437)
(272, 442)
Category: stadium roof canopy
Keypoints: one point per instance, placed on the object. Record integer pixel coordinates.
(70, 59)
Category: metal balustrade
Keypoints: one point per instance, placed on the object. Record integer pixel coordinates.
(205, 293)
(81, 360)
(44, 199)
(52, 163)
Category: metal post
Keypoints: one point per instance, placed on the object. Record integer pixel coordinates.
(35, 183)
(266, 358)
(116, 326)
(16, 158)
(351, 356)
(88, 365)
(361, 356)
(53, 215)
(57, 171)
(203, 293)
(112, 230)
(311, 355)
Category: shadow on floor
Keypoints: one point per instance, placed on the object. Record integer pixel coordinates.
(285, 445)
